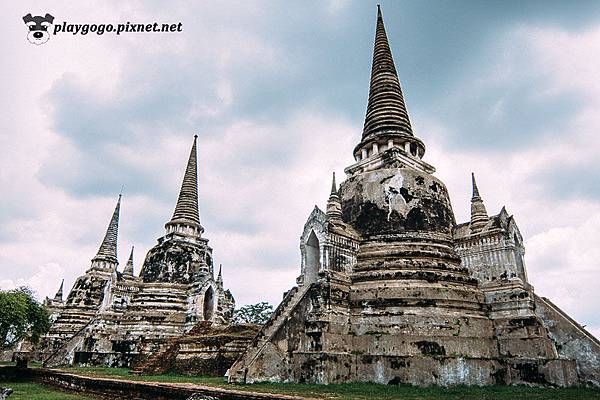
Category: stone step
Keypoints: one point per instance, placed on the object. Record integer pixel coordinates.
(277, 319)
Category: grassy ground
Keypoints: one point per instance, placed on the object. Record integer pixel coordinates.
(29, 391)
(364, 391)
(33, 364)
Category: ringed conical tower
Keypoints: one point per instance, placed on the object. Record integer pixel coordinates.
(186, 218)
(182, 255)
(106, 257)
(387, 125)
(386, 122)
(410, 299)
(383, 295)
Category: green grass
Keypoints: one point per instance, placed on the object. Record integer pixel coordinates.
(32, 364)
(29, 391)
(362, 391)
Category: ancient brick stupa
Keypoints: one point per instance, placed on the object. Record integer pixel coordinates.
(392, 290)
(116, 318)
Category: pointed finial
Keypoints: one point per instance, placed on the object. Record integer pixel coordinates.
(220, 276)
(479, 216)
(129, 267)
(108, 248)
(334, 206)
(59, 294)
(333, 185)
(187, 202)
(475, 189)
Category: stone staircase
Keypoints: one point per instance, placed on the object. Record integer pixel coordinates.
(158, 362)
(580, 329)
(64, 355)
(206, 349)
(573, 341)
(278, 318)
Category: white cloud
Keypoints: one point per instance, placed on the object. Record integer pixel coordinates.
(562, 233)
(44, 282)
(273, 196)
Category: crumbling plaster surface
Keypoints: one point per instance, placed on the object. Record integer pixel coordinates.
(395, 200)
(176, 261)
(572, 340)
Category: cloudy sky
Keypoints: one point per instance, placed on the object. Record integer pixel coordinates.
(277, 92)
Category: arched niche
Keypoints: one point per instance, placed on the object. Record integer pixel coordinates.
(312, 263)
(208, 304)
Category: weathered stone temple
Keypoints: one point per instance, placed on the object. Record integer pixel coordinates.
(113, 317)
(392, 290)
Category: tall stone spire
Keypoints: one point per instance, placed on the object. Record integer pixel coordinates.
(187, 203)
(386, 122)
(186, 210)
(386, 111)
(333, 185)
(475, 188)
(479, 216)
(334, 205)
(108, 249)
(129, 266)
(219, 279)
(59, 294)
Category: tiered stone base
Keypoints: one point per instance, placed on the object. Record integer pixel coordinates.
(319, 341)
(426, 371)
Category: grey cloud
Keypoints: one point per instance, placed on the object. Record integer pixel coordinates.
(508, 116)
(319, 58)
(563, 182)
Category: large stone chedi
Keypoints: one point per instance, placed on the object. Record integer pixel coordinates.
(392, 290)
(116, 318)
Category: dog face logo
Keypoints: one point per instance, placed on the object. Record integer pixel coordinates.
(38, 28)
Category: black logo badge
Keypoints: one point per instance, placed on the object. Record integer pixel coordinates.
(38, 28)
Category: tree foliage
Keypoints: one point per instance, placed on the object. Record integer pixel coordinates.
(21, 317)
(258, 313)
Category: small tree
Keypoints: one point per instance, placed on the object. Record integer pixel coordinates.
(21, 317)
(258, 313)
